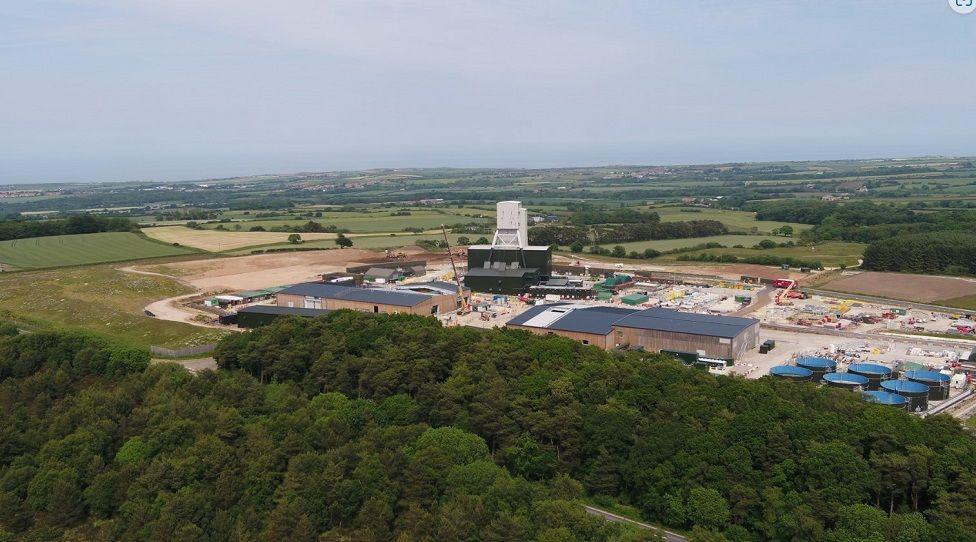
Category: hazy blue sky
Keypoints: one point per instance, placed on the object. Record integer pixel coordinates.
(182, 89)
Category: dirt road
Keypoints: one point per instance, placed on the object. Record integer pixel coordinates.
(610, 516)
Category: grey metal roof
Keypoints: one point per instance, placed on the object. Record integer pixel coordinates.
(597, 319)
(273, 309)
(353, 293)
(591, 319)
(437, 285)
(532, 312)
(658, 319)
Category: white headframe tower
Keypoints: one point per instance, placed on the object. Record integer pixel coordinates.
(512, 223)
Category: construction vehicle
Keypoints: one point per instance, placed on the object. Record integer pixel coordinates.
(788, 292)
(392, 255)
(462, 303)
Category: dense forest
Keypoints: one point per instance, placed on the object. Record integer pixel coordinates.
(862, 222)
(392, 427)
(96, 446)
(23, 229)
(943, 252)
(745, 460)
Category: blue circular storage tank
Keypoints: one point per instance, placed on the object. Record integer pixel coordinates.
(873, 371)
(791, 372)
(819, 366)
(886, 398)
(916, 393)
(849, 381)
(937, 382)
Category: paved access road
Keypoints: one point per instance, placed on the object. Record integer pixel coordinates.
(610, 516)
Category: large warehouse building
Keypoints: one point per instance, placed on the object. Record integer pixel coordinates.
(692, 337)
(509, 265)
(422, 298)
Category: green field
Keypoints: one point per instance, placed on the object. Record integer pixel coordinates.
(663, 245)
(737, 221)
(99, 299)
(966, 302)
(88, 248)
(372, 242)
(830, 254)
(368, 222)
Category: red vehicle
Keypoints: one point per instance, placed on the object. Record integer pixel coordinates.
(782, 283)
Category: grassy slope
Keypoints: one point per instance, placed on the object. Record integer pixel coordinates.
(375, 242)
(368, 222)
(738, 221)
(965, 302)
(671, 244)
(89, 248)
(100, 299)
(831, 253)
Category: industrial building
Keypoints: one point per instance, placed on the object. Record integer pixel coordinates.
(509, 265)
(262, 315)
(694, 338)
(422, 298)
(589, 324)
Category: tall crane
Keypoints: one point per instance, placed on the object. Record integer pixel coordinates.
(463, 307)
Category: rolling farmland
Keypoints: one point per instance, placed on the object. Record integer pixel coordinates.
(88, 248)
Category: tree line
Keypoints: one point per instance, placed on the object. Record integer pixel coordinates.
(75, 224)
(552, 234)
(96, 449)
(863, 221)
(736, 459)
(942, 252)
(392, 427)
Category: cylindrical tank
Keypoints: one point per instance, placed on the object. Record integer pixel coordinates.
(791, 372)
(937, 382)
(819, 366)
(875, 373)
(886, 398)
(916, 393)
(849, 381)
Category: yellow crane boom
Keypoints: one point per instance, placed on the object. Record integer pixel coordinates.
(462, 302)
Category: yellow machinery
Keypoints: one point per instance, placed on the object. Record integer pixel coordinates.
(463, 306)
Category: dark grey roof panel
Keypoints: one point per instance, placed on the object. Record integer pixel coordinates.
(687, 322)
(532, 313)
(591, 319)
(352, 293)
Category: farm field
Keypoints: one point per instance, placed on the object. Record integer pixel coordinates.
(830, 254)
(365, 223)
(951, 291)
(738, 221)
(88, 248)
(99, 299)
(218, 241)
(663, 245)
(372, 242)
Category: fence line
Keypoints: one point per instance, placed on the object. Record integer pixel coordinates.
(182, 352)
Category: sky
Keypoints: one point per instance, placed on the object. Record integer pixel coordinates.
(112, 90)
